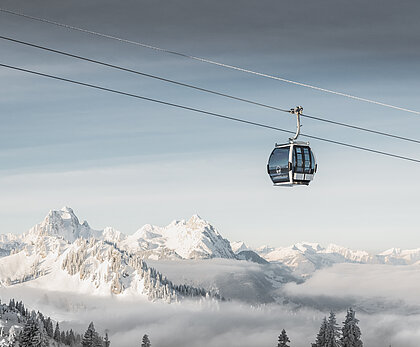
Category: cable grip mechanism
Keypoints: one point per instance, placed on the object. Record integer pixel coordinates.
(298, 110)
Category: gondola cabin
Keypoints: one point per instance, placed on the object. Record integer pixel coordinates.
(292, 164)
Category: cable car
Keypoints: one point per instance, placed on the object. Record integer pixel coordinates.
(293, 163)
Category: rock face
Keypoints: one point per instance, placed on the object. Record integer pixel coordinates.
(251, 256)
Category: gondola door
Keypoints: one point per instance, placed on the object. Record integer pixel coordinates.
(279, 165)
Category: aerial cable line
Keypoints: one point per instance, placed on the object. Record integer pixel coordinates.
(208, 61)
(213, 114)
(204, 89)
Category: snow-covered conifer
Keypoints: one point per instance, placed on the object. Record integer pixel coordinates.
(49, 327)
(71, 338)
(57, 335)
(283, 339)
(145, 342)
(332, 333)
(91, 337)
(33, 335)
(13, 334)
(321, 338)
(351, 332)
(63, 337)
(107, 343)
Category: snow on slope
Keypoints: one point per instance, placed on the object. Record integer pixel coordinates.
(60, 251)
(306, 257)
(61, 254)
(348, 254)
(64, 224)
(192, 239)
(397, 256)
(11, 324)
(89, 267)
(238, 246)
(315, 254)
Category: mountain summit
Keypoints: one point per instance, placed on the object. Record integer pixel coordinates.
(62, 224)
(62, 254)
(186, 239)
(191, 239)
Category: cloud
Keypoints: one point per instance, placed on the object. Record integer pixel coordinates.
(362, 282)
(373, 290)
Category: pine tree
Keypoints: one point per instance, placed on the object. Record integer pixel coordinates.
(41, 339)
(63, 337)
(72, 338)
(12, 336)
(49, 327)
(145, 342)
(33, 335)
(66, 338)
(351, 332)
(57, 335)
(107, 343)
(321, 338)
(283, 339)
(98, 341)
(29, 330)
(332, 333)
(78, 339)
(91, 337)
(88, 337)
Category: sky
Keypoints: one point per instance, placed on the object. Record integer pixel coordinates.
(124, 162)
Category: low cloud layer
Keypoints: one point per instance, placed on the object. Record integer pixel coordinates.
(362, 283)
(384, 297)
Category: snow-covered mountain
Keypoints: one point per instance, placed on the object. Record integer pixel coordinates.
(251, 256)
(238, 246)
(64, 224)
(192, 239)
(306, 257)
(62, 253)
(397, 256)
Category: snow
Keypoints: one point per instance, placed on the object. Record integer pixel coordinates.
(192, 239)
(307, 257)
(238, 246)
(62, 254)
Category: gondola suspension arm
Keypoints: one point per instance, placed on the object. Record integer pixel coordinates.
(298, 110)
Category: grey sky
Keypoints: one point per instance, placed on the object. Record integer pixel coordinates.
(125, 163)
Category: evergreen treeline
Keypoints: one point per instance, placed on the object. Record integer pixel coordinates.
(39, 330)
(330, 335)
(156, 285)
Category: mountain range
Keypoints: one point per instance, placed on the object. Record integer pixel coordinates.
(61, 253)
